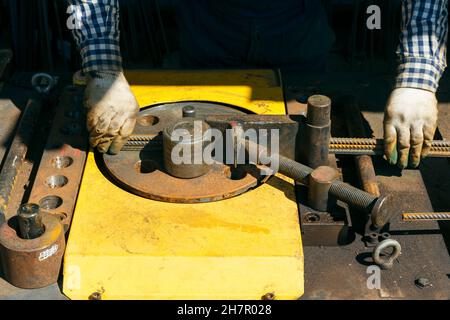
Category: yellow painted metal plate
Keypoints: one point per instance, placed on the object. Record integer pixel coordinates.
(128, 247)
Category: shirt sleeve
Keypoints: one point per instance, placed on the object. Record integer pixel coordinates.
(96, 32)
(423, 44)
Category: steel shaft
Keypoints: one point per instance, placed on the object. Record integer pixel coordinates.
(341, 190)
(314, 151)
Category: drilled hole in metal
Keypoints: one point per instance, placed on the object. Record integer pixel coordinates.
(62, 162)
(148, 120)
(56, 182)
(51, 202)
(146, 166)
(312, 217)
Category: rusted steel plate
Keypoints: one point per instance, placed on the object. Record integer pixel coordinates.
(58, 178)
(444, 120)
(9, 116)
(142, 172)
(16, 154)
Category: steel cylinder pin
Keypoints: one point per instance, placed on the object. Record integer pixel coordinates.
(189, 112)
(320, 181)
(318, 129)
(30, 221)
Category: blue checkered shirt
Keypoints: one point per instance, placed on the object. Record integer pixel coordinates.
(421, 53)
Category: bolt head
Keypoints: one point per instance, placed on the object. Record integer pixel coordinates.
(382, 212)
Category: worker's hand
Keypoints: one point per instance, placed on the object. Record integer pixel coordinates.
(410, 122)
(112, 110)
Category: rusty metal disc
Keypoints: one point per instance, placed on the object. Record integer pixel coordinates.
(142, 172)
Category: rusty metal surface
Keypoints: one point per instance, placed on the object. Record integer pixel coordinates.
(342, 272)
(142, 172)
(319, 186)
(443, 123)
(9, 116)
(16, 154)
(32, 263)
(55, 187)
(367, 175)
(9, 292)
(13, 99)
(364, 163)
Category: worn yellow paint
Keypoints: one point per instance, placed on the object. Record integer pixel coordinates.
(128, 247)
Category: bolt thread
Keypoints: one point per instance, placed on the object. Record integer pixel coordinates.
(294, 170)
(341, 190)
(353, 196)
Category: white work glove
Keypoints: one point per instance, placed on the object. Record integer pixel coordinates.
(112, 110)
(410, 122)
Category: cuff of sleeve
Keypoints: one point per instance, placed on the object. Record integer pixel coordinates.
(101, 55)
(420, 73)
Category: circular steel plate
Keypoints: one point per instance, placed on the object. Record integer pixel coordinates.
(142, 172)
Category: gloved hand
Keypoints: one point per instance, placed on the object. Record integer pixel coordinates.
(410, 122)
(112, 110)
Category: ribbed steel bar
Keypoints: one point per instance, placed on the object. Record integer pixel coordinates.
(350, 146)
(359, 146)
(432, 216)
(16, 154)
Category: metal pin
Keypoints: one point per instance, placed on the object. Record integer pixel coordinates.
(30, 222)
(189, 112)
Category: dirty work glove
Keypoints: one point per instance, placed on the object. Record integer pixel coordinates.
(410, 122)
(111, 110)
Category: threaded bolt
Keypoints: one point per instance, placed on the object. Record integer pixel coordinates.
(353, 196)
